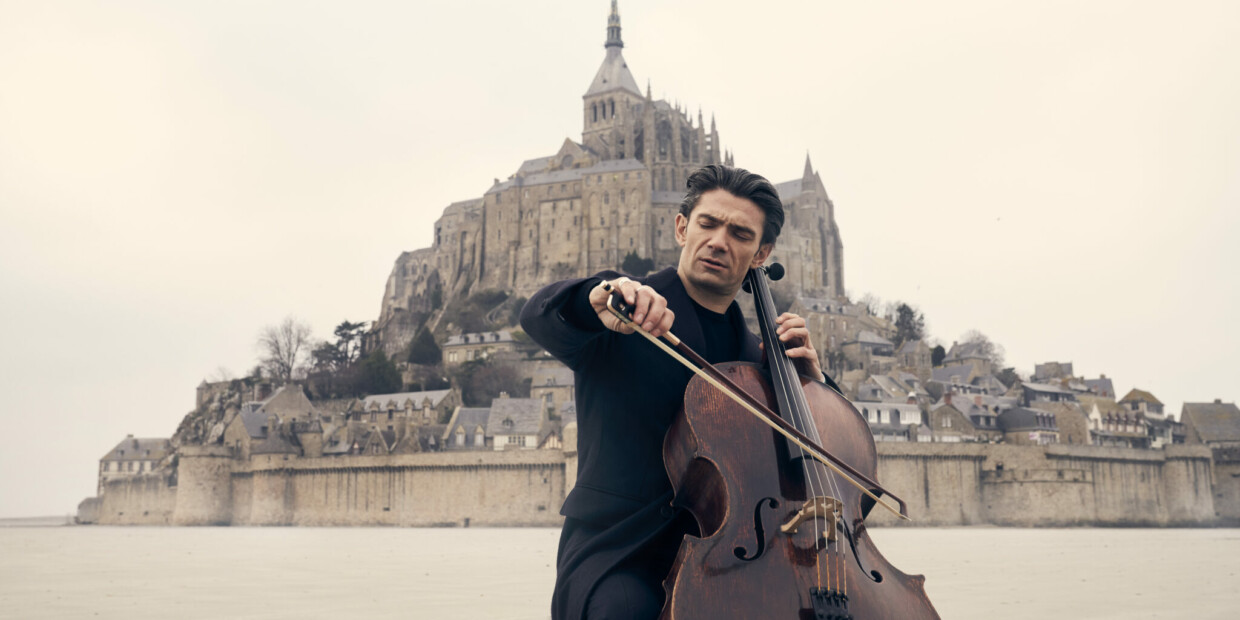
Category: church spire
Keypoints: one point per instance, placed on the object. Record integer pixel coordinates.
(613, 27)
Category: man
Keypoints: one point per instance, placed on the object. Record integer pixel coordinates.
(621, 533)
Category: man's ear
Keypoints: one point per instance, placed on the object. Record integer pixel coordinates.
(764, 251)
(682, 229)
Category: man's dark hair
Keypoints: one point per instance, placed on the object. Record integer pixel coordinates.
(740, 183)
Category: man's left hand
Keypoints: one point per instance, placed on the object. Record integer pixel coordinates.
(798, 345)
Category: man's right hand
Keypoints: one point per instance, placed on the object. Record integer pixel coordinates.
(649, 308)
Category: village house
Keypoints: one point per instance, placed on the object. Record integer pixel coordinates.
(517, 423)
(1025, 427)
(132, 457)
(870, 352)
(1101, 387)
(1144, 403)
(894, 421)
(470, 347)
(969, 353)
(913, 356)
(1039, 393)
(553, 385)
(260, 426)
(1215, 424)
(966, 417)
(1112, 424)
(425, 407)
(467, 430)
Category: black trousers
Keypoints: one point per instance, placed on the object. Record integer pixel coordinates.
(633, 589)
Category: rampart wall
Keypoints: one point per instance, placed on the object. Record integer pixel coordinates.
(944, 485)
(1056, 485)
(137, 500)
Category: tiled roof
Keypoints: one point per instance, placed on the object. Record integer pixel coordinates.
(612, 74)
(1135, 395)
(1045, 387)
(945, 374)
(254, 420)
(909, 346)
(398, 399)
(468, 419)
(139, 449)
(515, 416)
(966, 350)
(866, 336)
(1101, 386)
(1021, 419)
(1214, 422)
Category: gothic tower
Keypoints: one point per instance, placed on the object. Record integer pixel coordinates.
(607, 112)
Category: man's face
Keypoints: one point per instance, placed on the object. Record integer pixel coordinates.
(720, 242)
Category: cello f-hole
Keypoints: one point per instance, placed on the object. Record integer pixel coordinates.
(759, 531)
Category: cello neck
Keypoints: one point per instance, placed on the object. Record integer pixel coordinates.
(784, 379)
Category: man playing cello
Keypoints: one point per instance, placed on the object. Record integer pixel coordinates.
(621, 533)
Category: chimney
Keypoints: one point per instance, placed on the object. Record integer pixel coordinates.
(1218, 401)
(503, 394)
(977, 400)
(947, 397)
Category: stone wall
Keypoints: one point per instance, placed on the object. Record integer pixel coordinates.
(1057, 485)
(203, 495)
(442, 489)
(1226, 485)
(943, 484)
(137, 500)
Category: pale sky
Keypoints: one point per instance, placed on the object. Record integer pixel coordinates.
(1063, 176)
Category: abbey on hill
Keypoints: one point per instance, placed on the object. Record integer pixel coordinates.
(588, 206)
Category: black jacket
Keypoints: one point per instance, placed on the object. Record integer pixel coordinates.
(627, 392)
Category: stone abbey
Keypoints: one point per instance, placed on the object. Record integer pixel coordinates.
(591, 204)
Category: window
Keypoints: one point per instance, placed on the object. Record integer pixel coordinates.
(947, 421)
(460, 436)
(607, 201)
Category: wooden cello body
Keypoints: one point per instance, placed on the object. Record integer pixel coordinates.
(781, 538)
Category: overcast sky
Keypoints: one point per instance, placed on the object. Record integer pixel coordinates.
(1063, 176)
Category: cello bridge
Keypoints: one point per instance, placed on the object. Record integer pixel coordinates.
(821, 507)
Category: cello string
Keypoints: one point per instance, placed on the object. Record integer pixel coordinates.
(799, 414)
(795, 397)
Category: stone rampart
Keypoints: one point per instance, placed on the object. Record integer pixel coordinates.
(203, 495)
(137, 500)
(1057, 485)
(519, 488)
(943, 484)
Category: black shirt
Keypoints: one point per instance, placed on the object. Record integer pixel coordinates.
(720, 335)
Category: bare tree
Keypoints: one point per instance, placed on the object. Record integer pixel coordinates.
(283, 348)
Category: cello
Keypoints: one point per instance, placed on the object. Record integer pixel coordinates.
(781, 515)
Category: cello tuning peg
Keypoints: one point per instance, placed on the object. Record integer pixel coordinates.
(775, 271)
